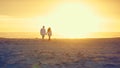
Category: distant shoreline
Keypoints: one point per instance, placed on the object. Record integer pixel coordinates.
(36, 35)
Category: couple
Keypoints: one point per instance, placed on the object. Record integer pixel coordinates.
(43, 32)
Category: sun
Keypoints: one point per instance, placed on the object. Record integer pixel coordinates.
(73, 20)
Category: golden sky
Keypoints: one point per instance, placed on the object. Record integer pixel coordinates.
(65, 17)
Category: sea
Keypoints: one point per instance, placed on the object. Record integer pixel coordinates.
(37, 35)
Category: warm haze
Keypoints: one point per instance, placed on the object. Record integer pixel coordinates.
(67, 18)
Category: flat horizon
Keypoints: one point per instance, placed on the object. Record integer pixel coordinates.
(67, 18)
(37, 35)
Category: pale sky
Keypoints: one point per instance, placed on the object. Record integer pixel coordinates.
(82, 16)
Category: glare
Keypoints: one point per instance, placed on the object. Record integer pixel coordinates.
(73, 20)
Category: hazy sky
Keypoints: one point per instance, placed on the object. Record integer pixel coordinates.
(30, 15)
(23, 8)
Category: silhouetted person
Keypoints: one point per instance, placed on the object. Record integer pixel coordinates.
(49, 33)
(43, 32)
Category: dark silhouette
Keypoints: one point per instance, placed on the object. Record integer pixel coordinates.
(49, 33)
(43, 32)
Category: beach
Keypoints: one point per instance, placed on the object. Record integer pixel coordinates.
(60, 53)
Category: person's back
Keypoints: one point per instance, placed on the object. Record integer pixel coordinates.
(43, 32)
(49, 32)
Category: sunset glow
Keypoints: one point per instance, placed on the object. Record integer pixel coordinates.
(68, 19)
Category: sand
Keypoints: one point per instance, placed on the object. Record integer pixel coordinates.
(60, 53)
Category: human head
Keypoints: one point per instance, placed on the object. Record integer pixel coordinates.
(49, 28)
(43, 26)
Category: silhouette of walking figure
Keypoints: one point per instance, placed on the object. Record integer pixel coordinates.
(49, 33)
(43, 32)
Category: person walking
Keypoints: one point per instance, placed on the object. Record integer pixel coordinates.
(49, 33)
(43, 32)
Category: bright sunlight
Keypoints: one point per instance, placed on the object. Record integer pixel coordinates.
(67, 18)
(73, 20)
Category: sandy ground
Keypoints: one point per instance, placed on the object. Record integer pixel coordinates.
(60, 53)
